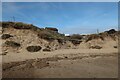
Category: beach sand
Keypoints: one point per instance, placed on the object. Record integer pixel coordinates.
(63, 63)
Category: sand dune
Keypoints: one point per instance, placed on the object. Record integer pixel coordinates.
(32, 52)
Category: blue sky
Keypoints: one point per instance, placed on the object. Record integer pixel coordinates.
(68, 17)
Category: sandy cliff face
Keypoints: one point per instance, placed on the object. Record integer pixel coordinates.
(106, 40)
(29, 37)
(16, 37)
(28, 51)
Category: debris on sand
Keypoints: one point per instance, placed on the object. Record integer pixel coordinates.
(6, 36)
(95, 47)
(12, 44)
(33, 48)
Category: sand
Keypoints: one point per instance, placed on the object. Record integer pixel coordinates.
(63, 63)
(81, 62)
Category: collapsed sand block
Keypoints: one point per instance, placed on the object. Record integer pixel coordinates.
(52, 29)
(33, 48)
(6, 36)
(46, 49)
(95, 47)
(12, 44)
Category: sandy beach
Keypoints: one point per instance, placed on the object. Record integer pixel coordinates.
(66, 63)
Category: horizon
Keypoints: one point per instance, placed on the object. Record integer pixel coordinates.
(68, 18)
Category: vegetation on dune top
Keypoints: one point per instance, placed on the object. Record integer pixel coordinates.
(50, 33)
(45, 33)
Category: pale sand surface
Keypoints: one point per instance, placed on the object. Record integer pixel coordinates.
(11, 57)
(85, 68)
(75, 63)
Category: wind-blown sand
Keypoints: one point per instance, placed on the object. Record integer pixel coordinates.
(64, 63)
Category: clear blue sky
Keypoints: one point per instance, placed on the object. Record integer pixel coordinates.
(69, 18)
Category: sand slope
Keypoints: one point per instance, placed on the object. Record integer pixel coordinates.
(96, 56)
